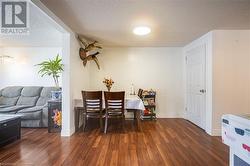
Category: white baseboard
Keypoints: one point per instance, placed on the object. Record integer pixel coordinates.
(67, 133)
(216, 132)
(168, 116)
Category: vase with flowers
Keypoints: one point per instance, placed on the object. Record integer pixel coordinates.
(108, 83)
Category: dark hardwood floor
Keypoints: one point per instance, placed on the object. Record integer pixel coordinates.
(170, 142)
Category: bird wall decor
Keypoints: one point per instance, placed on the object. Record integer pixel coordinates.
(89, 51)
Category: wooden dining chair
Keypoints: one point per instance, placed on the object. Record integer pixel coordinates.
(114, 107)
(140, 91)
(92, 103)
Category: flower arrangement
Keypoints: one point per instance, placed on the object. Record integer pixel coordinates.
(57, 118)
(108, 83)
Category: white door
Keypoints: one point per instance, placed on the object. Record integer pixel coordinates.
(195, 68)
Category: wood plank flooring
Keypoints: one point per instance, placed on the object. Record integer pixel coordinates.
(172, 142)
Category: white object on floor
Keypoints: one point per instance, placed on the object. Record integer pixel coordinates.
(236, 134)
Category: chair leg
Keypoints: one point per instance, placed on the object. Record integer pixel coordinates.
(76, 119)
(138, 120)
(106, 124)
(85, 122)
(135, 114)
(123, 122)
(101, 125)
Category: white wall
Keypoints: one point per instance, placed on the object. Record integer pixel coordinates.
(75, 79)
(158, 68)
(227, 75)
(231, 74)
(21, 70)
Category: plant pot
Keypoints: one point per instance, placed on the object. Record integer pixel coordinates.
(56, 95)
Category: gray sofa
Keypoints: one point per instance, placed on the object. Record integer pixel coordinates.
(29, 101)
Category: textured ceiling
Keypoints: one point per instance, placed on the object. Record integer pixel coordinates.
(173, 22)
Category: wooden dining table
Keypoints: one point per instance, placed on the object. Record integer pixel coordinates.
(133, 103)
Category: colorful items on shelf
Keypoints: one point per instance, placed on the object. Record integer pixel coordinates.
(57, 117)
(147, 111)
(148, 98)
(148, 92)
(54, 116)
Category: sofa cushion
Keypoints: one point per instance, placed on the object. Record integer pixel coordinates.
(12, 109)
(45, 95)
(12, 91)
(31, 113)
(10, 95)
(31, 91)
(29, 96)
(31, 109)
(30, 101)
(31, 123)
(4, 106)
(8, 100)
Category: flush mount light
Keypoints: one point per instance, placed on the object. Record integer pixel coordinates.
(142, 30)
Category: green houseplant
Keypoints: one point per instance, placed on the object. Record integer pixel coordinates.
(51, 68)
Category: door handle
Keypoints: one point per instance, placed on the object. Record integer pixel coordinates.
(203, 91)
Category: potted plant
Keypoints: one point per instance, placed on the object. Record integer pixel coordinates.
(52, 68)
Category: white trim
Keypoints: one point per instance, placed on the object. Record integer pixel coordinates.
(184, 83)
(66, 90)
(216, 132)
(209, 83)
(67, 133)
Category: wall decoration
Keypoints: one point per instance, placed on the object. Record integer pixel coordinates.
(89, 51)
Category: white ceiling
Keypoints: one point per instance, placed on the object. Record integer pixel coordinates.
(43, 33)
(173, 22)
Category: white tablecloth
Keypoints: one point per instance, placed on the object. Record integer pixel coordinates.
(131, 102)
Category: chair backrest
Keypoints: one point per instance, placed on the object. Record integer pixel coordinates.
(92, 101)
(140, 91)
(114, 101)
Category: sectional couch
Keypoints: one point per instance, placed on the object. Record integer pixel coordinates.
(30, 102)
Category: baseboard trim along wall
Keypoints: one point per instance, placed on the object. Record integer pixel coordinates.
(216, 132)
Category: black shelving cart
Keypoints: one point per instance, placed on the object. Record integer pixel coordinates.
(148, 98)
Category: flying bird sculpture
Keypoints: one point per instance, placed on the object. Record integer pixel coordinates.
(89, 51)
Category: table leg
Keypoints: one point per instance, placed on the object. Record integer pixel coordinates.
(137, 113)
(77, 119)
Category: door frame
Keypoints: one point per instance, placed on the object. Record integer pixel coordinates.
(205, 40)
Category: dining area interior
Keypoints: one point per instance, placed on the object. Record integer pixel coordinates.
(126, 83)
(108, 105)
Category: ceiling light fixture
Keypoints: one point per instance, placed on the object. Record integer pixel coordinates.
(141, 30)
